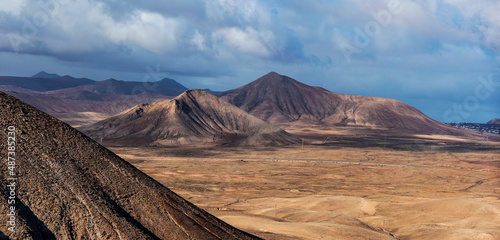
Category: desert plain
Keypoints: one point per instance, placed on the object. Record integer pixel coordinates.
(345, 187)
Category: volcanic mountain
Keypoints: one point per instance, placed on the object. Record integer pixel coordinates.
(194, 117)
(494, 121)
(284, 101)
(70, 187)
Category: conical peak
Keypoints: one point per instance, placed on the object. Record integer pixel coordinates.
(274, 78)
(193, 93)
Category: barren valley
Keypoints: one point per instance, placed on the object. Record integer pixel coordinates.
(337, 192)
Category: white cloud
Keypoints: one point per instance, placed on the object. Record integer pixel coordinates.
(149, 30)
(198, 41)
(241, 11)
(248, 41)
(12, 7)
(482, 20)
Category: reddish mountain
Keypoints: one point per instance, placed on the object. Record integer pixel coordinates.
(69, 187)
(284, 101)
(494, 121)
(194, 117)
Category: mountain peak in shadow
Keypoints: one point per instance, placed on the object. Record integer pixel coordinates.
(43, 74)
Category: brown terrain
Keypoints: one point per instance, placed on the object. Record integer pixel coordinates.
(194, 117)
(494, 121)
(70, 187)
(350, 189)
(286, 102)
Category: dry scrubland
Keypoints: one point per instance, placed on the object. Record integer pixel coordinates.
(255, 190)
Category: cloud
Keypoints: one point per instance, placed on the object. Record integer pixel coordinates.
(246, 41)
(237, 12)
(12, 7)
(148, 30)
(432, 49)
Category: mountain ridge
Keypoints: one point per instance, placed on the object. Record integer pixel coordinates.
(42, 84)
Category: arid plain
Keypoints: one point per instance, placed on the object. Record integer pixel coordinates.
(344, 188)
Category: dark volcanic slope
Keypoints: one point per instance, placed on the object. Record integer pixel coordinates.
(70, 187)
(193, 117)
(281, 100)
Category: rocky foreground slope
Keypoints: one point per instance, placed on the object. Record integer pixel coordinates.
(70, 187)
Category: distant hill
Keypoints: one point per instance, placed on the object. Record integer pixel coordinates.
(70, 187)
(284, 101)
(44, 74)
(495, 121)
(42, 84)
(69, 95)
(101, 104)
(194, 117)
(100, 89)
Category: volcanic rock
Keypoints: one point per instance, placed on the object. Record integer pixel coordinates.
(70, 187)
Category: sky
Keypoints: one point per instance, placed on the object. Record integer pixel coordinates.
(442, 57)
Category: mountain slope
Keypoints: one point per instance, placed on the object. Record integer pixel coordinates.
(194, 117)
(70, 187)
(494, 121)
(284, 101)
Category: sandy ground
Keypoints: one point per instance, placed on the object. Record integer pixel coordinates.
(78, 119)
(442, 195)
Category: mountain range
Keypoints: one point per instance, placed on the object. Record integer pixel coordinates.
(67, 97)
(42, 82)
(274, 98)
(70, 187)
